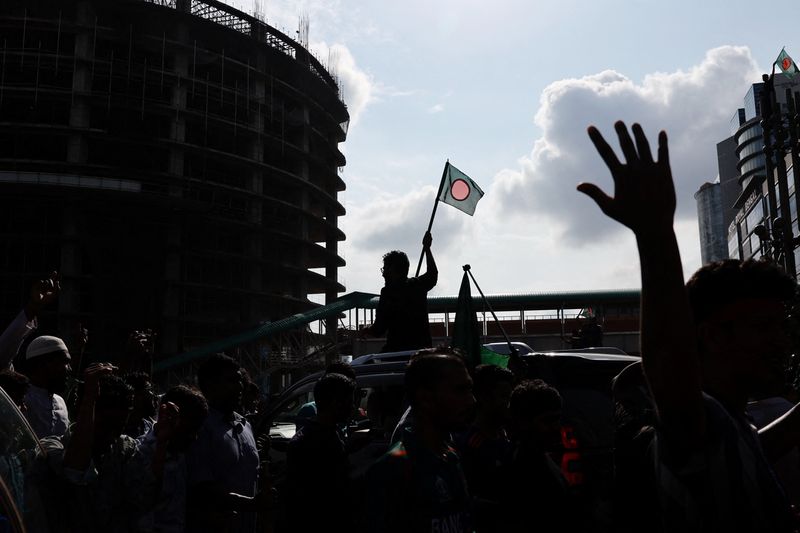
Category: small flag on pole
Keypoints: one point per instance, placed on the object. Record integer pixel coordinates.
(459, 190)
(786, 64)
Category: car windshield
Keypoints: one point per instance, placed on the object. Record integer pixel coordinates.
(19, 454)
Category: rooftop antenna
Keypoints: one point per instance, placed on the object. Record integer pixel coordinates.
(258, 10)
(302, 30)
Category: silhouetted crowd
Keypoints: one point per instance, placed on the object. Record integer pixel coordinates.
(705, 430)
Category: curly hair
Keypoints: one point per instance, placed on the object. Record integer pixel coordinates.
(398, 259)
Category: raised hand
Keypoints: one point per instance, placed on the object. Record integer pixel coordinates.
(43, 292)
(644, 194)
(427, 240)
(92, 376)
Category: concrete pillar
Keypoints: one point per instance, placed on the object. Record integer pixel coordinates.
(170, 336)
(80, 110)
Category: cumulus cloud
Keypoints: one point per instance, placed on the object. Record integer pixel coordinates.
(533, 231)
(358, 87)
(438, 108)
(693, 106)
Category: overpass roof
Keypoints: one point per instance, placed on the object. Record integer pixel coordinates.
(436, 304)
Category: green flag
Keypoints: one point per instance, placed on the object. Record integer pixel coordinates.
(466, 335)
(786, 64)
(489, 357)
(459, 190)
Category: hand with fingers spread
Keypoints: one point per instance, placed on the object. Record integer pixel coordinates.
(644, 194)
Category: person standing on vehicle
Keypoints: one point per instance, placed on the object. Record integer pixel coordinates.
(402, 313)
(317, 461)
(418, 486)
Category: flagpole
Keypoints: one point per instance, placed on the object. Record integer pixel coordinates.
(513, 351)
(433, 213)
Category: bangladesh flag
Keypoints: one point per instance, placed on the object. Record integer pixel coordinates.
(466, 334)
(786, 64)
(459, 190)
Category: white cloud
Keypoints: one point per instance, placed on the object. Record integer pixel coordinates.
(358, 87)
(694, 107)
(438, 108)
(533, 231)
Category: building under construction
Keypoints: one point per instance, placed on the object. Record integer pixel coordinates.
(176, 160)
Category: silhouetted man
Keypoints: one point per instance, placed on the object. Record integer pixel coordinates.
(402, 313)
(163, 459)
(706, 348)
(317, 462)
(106, 491)
(418, 486)
(485, 448)
(537, 493)
(223, 461)
(47, 365)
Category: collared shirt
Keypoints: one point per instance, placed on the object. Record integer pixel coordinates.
(412, 490)
(225, 453)
(46, 413)
(167, 511)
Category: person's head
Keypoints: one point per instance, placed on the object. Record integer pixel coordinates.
(335, 397)
(220, 380)
(439, 388)
(535, 410)
(340, 367)
(16, 386)
(740, 311)
(395, 267)
(492, 386)
(47, 363)
(145, 400)
(111, 410)
(192, 411)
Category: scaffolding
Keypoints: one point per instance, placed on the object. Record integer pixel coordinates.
(215, 134)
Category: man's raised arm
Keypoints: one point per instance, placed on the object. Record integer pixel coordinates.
(644, 201)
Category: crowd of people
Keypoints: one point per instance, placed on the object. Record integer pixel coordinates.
(473, 451)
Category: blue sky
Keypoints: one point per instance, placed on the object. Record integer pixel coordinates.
(505, 90)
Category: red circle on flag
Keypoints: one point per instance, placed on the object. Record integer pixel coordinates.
(786, 63)
(459, 190)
